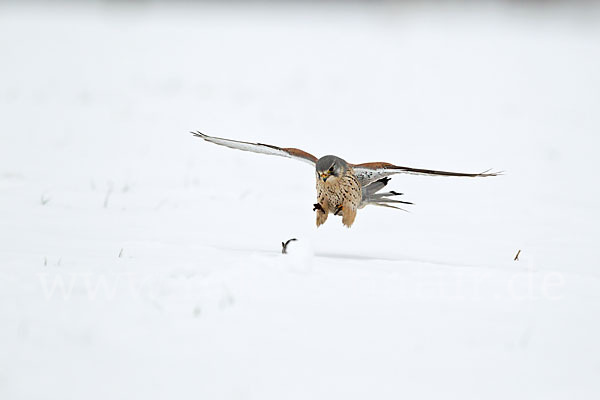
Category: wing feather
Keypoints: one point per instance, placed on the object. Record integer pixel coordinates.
(373, 171)
(261, 148)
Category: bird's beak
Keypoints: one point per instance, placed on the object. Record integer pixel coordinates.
(324, 176)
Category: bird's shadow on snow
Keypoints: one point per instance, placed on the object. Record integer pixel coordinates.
(361, 257)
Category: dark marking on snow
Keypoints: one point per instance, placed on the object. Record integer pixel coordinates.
(285, 245)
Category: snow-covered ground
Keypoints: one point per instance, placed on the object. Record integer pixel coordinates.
(139, 262)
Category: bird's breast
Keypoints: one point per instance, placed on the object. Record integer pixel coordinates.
(337, 191)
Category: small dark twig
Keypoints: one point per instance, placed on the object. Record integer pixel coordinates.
(121, 253)
(517, 256)
(285, 245)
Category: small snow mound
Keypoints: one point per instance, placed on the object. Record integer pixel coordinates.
(299, 255)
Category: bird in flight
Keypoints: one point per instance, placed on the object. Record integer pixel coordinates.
(342, 188)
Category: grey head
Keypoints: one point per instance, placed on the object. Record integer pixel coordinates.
(330, 166)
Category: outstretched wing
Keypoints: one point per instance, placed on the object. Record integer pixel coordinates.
(288, 152)
(373, 171)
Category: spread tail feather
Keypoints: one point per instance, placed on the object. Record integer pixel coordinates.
(389, 206)
(384, 200)
(370, 195)
(375, 186)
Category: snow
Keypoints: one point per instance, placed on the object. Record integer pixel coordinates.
(137, 261)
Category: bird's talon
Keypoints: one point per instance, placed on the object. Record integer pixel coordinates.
(338, 210)
(317, 206)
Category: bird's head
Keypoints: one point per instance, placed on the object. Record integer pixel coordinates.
(330, 166)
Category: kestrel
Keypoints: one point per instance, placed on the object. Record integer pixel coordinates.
(342, 188)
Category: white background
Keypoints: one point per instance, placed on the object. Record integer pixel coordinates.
(139, 262)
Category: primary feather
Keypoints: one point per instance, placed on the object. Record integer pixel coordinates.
(289, 152)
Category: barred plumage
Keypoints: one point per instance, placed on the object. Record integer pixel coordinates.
(342, 188)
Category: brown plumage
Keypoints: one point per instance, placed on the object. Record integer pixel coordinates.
(339, 196)
(342, 188)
